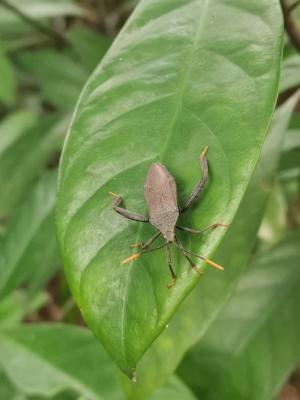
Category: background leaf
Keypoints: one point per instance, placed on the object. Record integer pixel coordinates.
(57, 73)
(24, 156)
(27, 357)
(78, 362)
(8, 391)
(290, 73)
(89, 46)
(8, 79)
(263, 320)
(13, 127)
(29, 246)
(169, 85)
(16, 33)
(289, 163)
(174, 390)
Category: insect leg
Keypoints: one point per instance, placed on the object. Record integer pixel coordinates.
(196, 232)
(206, 260)
(125, 213)
(137, 255)
(154, 248)
(169, 260)
(147, 244)
(200, 185)
(183, 252)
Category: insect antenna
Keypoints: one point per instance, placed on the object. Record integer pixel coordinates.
(186, 252)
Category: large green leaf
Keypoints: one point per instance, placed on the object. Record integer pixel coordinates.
(29, 246)
(253, 345)
(170, 84)
(201, 307)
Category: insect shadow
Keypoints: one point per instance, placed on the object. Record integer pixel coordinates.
(161, 196)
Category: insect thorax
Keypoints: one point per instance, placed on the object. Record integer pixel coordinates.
(165, 223)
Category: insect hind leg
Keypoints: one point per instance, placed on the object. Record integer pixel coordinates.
(183, 252)
(169, 260)
(196, 231)
(144, 249)
(148, 243)
(206, 260)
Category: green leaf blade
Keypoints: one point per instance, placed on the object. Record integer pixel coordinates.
(169, 86)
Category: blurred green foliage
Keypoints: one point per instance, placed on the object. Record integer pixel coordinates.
(234, 337)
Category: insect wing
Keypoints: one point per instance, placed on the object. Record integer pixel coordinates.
(160, 191)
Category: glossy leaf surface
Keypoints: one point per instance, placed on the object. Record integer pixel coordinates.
(170, 85)
(263, 319)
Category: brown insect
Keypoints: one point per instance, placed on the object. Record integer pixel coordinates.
(161, 196)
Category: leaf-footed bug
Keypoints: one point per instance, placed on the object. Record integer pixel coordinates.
(161, 196)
